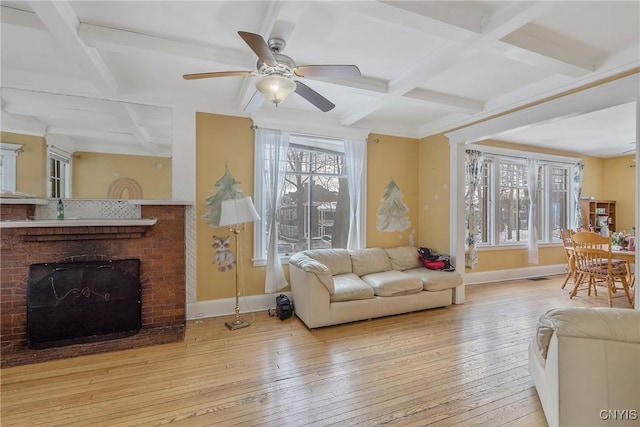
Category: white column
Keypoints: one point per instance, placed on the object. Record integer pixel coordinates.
(183, 161)
(456, 206)
(183, 187)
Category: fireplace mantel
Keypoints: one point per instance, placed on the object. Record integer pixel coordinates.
(99, 222)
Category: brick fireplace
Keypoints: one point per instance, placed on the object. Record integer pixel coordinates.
(160, 248)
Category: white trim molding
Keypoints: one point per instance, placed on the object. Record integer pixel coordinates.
(606, 95)
(513, 274)
(226, 307)
(300, 123)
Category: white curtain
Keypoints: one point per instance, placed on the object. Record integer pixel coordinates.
(532, 187)
(356, 157)
(473, 176)
(275, 145)
(576, 183)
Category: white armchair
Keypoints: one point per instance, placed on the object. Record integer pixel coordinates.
(585, 363)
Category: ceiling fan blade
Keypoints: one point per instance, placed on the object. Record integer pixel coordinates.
(314, 97)
(340, 71)
(218, 74)
(259, 47)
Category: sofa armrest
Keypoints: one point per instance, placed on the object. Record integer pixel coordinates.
(311, 299)
(613, 324)
(310, 265)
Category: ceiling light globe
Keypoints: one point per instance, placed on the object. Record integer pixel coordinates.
(276, 88)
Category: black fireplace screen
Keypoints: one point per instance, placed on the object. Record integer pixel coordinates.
(77, 302)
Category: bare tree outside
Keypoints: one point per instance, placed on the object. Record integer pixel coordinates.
(314, 212)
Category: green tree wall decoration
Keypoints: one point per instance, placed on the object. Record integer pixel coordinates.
(226, 188)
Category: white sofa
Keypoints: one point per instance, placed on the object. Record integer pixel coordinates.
(331, 286)
(585, 363)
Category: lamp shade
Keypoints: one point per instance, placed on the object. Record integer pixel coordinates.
(276, 88)
(237, 211)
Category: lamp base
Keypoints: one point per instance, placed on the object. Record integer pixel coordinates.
(237, 324)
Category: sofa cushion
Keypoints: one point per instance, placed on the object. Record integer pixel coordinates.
(337, 261)
(393, 283)
(367, 261)
(350, 287)
(403, 258)
(436, 280)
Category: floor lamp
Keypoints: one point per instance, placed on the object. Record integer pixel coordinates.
(235, 213)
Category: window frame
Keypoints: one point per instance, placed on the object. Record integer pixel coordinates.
(297, 139)
(9, 166)
(547, 162)
(64, 160)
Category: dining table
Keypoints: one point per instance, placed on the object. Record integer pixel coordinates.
(626, 255)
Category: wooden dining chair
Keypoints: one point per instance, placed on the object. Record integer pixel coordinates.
(593, 262)
(567, 243)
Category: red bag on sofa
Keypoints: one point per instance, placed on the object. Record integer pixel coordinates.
(433, 264)
(434, 261)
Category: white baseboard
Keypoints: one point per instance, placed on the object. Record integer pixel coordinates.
(512, 274)
(225, 307)
(255, 303)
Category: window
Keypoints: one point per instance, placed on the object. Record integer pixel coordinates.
(59, 175)
(8, 156)
(314, 207)
(502, 200)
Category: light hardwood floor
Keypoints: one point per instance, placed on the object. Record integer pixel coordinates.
(457, 366)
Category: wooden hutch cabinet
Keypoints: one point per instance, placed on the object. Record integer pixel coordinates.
(594, 212)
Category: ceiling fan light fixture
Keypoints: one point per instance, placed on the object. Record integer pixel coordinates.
(275, 88)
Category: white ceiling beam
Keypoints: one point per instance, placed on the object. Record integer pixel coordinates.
(627, 58)
(398, 14)
(102, 135)
(543, 62)
(62, 142)
(21, 18)
(502, 21)
(606, 95)
(130, 43)
(451, 102)
(139, 133)
(414, 15)
(127, 42)
(22, 124)
(59, 18)
(110, 147)
(575, 59)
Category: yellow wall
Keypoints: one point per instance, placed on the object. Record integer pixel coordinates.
(397, 158)
(619, 185)
(93, 174)
(433, 178)
(30, 164)
(228, 140)
(223, 140)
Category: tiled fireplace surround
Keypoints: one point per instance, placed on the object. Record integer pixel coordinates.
(160, 248)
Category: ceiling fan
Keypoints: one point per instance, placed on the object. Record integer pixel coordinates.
(276, 72)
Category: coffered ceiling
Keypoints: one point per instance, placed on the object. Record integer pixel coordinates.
(427, 66)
